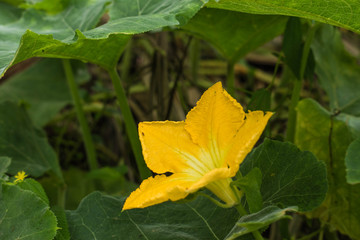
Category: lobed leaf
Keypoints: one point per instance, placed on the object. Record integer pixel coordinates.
(290, 177)
(35, 187)
(24, 144)
(72, 32)
(23, 215)
(328, 138)
(100, 217)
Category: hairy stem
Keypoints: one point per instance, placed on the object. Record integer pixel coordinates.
(85, 130)
(295, 97)
(243, 212)
(130, 125)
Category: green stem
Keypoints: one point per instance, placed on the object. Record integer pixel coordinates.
(130, 125)
(295, 97)
(85, 130)
(195, 58)
(126, 62)
(275, 73)
(290, 134)
(61, 195)
(230, 78)
(243, 212)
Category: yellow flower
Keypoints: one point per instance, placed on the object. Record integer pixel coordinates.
(20, 176)
(205, 150)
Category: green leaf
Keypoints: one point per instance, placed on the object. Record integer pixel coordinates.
(338, 72)
(352, 161)
(293, 45)
(250, 185)
(4, 164)
(71, 33)
(316, 128)
(99, 215)
(256, 221)
(22, 39)
(63, 229)
(132, 17)
(51, 6)
(341, 13)
(260, 100)
(23, 215)
(247, 31)
(352, 122)
(9, 13)
(24, 144)
(35, 187)
(290, 177)
(43, 88)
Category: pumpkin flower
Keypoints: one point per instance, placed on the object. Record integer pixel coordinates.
(20, 176)
(205, 150)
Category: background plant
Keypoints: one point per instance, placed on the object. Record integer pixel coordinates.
(71, 124)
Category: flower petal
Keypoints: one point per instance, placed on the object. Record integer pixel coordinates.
(245, 139)
(167, 147)
(214, 121)
(159, 189)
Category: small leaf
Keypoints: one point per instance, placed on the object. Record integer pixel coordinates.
(35, 187)
(250, 185)
(290, 177)
(352, 161)
(98, 215)
(24, 144)
(23, 215)
(256, 221)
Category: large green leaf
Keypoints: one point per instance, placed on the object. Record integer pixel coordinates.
(24, 144)
(42, 87)
(328, 138)
(99, 217)
(235, 34)
(352, 161)
(54, 35)
(290, 177)
(256, 221)
(338, 72)
(132, 17)
(23, 215)
(342, 13)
